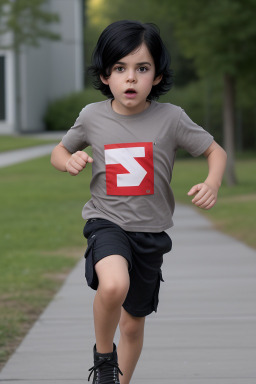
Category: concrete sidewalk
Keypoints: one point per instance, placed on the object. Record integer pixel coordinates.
(204, 331)
(19, 155)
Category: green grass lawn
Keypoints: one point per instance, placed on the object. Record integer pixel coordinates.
(41, 231)
(41, 240)
(235, 211)
(8, 143)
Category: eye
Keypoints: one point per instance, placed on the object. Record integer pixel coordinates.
(142, 69)
(119, 68)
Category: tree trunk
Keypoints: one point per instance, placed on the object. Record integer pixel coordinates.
(229, 127)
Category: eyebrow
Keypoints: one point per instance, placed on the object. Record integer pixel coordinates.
(142, 63)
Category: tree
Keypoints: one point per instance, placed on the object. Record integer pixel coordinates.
(100, 13)
(220, 35)
(26, 21)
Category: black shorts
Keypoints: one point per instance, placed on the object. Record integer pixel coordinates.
(144, 253)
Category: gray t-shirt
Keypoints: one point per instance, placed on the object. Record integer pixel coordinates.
(133, 161)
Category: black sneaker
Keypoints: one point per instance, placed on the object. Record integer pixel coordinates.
(106, 370)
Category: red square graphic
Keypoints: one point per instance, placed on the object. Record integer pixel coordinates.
(129, 169)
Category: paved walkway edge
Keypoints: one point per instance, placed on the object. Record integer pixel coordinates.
(19, 155)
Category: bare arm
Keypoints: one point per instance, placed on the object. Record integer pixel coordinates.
(206, 193)
(65, 161)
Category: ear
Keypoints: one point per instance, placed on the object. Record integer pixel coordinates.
(157, 79)
(104, 80)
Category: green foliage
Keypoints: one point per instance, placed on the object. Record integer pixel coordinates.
(220, 35)
(62, 113)
(27, 20)
(201, 100)
(100, 13)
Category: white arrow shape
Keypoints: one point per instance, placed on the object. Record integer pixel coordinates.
(126, 157)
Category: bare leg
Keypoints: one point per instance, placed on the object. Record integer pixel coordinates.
(114, 283)
(130, 344)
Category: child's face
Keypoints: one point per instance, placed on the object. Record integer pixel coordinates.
(131, 80)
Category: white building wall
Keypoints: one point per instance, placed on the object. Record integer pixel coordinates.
(35, 74)
(47, 72)
(67, 55)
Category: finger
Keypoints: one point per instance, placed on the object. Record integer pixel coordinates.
(72, 170)
(201, 196)
(78, 161)
(211, 204)
(194, 189)
(208, 204)
(201, 192)
(89, 159)
(204, 203)
(73, 166)
(83, 155)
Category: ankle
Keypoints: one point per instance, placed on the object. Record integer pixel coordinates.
(105, 367)
(104, 348)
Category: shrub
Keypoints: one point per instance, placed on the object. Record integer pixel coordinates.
(62, 113)
(202, 100)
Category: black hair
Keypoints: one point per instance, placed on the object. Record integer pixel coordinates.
(120, 39)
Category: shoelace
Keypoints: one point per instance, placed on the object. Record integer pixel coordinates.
(107, 373)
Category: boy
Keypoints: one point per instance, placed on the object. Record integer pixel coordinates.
(134, 140)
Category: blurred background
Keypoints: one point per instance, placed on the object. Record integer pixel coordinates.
(45, 50)
(46, 46)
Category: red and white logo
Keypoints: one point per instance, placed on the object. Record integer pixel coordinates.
(129, 169)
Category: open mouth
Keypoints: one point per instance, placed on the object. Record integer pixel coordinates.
(130, 91)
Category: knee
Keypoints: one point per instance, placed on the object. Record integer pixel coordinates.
(114, 292)
(132, 328)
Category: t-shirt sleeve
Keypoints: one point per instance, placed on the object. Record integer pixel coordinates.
(75, 139)
(191, 137)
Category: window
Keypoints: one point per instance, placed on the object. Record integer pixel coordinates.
(2, 88)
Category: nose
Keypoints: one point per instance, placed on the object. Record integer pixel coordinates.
(131, 77)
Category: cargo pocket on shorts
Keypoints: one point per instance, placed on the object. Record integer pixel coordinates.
(156, 294)
(90, 274)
